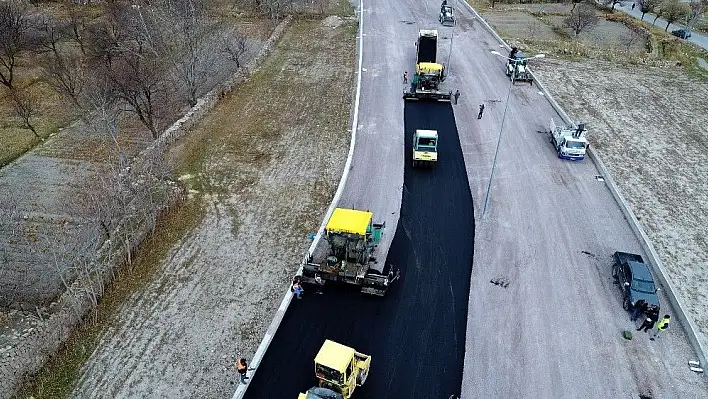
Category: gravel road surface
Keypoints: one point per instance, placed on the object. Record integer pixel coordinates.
(415, 334)
(550, 230)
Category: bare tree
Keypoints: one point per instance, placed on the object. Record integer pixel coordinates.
(50, 33)
(102, 41)
(188, 34)
(583, 17)
(576, 2)
(100, 101)
(646, 6)
(76, 263)
(64, 74)
(672, 11)
(696, 9)
(234, 46)
(14, 25)
(613, 3)
(77, 27)
(274, 9)
(630, 39)
(25, 105)
(657, 14)
(138, 80)
(137, 73)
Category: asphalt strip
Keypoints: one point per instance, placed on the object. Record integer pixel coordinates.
(416, 334)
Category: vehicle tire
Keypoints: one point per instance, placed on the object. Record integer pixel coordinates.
(625, 304)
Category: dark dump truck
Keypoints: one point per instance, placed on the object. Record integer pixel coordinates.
(635, 280)
(427, 46)
(429, 73)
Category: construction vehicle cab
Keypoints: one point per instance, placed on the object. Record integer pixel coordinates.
(447, 15)
(517, 66)
(351, 236)
(339, 369)
(425, 148)
(429, 74)
(569, 141)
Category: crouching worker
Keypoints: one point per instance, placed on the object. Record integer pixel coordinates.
(297, 288)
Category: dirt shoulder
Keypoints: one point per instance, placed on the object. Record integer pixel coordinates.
(264, 164)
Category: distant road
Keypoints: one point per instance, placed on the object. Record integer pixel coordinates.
(696, 37)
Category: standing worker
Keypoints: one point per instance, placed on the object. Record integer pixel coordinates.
(457, 96)
(647, 324)
(242, 368)
(319, 282)
(640, 307)
(481, 111)
(661, 326)
(405, 77)
(414, 82)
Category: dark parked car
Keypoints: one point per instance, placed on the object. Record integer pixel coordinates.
(634, 279)
(682, 33)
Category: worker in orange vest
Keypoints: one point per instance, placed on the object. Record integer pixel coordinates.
(242, 368)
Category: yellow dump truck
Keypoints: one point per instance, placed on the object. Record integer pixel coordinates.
(339, 370)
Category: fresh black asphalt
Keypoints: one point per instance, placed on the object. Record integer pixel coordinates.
(416, 334)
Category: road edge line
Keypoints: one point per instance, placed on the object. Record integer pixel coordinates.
(654, 261)
(287, 299)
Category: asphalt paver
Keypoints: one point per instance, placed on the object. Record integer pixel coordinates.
(416, 334)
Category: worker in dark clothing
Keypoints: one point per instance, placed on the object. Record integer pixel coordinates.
(481, 111)
(647, 324)
(319, 282)
(242, 368)
(457, 96)
(640, 307)
(513, 52)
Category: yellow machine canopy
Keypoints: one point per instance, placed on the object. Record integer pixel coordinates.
(335, 356)
(428, 68)
(349, 221)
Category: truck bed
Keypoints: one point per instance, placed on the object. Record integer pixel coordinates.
(624, 257)
(427, 49)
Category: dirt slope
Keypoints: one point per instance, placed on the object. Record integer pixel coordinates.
(265, 186)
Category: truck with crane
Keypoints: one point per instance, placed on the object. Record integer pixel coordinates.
(339, 370)
(429, 73)
(569, 140)
(351, 237)
(517, 68)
